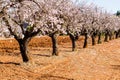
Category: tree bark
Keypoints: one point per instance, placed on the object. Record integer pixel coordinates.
(24, 49)
(93, 40)
(85, 40)
(73, 45)
(110, 35)
(116, 35)
(54, 45)
(99, 38)
(73, 42)
(106, 37)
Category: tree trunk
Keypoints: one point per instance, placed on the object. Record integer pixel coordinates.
(110, 37)
(85, 41)
(116, 35)
(73, 42)
(93, 40)
(54, 45)
(106, 37)
(24, 50)
(99, 38)
(73, 45)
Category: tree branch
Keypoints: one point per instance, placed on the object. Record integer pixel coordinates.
(35, 33)
(9, 27)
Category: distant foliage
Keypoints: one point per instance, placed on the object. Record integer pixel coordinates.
(118, 13)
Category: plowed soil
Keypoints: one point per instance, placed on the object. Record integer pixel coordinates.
(99, 62)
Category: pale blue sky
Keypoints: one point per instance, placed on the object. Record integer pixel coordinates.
(109, 5)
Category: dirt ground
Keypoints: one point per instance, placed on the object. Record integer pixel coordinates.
(99, 62)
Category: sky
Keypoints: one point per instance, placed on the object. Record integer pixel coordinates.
(111, 6)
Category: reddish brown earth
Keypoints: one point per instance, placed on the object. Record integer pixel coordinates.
(99, 62)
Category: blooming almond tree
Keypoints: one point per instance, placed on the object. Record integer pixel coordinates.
(108, 25)
(53, 22)
(116, 27)
(20, 19)
(71, 15)
(85, 21)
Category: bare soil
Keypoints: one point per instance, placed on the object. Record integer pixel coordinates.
(99, 62)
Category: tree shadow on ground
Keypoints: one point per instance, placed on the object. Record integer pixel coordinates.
(117, 67)
(56, 77)
(44, 55)
(10, 63)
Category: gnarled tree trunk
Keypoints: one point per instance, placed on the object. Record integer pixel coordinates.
(85, 40)
(54, 44)
(73, 40)
(106, 37)
(93, 39)
(99, 38)
(110, 35)
(116, 34)
(73, 43)
(23, 43)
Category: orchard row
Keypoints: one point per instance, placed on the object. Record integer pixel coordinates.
(24, 19)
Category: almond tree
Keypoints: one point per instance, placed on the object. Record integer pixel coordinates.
(85, 21)
(108, 25)
(20, 18)
(71, 17)
(53, 24)
(116, 28)
(106, 29)
(101, 23)
(94, 19)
